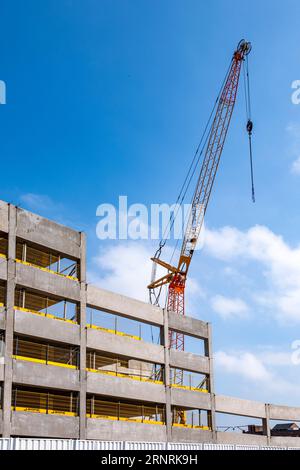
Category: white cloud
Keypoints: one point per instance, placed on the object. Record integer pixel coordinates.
(295, 168)
(38, 202)
(279, 263)
(229, 307)
(244, 364)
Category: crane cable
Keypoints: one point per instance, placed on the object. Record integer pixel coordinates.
(249, 125)
(191, 172)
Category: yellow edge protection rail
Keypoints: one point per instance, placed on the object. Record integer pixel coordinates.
(114, 332)
(115, 418)
(1, 304)
(42, 361)
(125, 376)
(190, 426)
(193, 389)
(46, 269)
(43, 411)
(3, 256)
(42, 314)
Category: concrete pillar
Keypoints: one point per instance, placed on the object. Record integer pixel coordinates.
(82, 365)
(209, 353)
(266, 424)
(9, 329)
(165, 343)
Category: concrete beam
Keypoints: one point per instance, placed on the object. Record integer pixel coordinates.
(122, 346)
(3, 216)
(40, 375)
(124, 306)
(287, 441)
(124, 388)
(189, 361)
(236, 406)
(40, 425)
(287, 413)
(36, 229)
(107, 430)
(190, 435)
(28, 276)
(1, 371)
(190, 399)
(241, 439)
(3, 269)
(188, 325)
(2, 318)
(37, 326)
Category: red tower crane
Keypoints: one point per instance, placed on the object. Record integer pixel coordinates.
(177, 275)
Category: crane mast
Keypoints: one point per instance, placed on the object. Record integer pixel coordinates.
(177, 275)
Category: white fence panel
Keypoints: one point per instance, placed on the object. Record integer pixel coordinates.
(43, 444)
(5, 444)
(145, 445)
(245, 447)
(293, 448)
(98, 445)
(218, 447)
(272, 448)
(184, 446)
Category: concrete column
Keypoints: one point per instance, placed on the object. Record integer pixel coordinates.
(266, 424)
(165, 343)
(208, 353)
(82, 365)
(9, 330)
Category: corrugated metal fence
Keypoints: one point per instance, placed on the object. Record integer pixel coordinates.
(69, 444)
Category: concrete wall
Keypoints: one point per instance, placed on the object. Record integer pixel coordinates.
(3, 216)
(41, 375)
(116, 430)
(42, 425)
(3, 269)
(30, 324)
(121, 345)
(124, 388)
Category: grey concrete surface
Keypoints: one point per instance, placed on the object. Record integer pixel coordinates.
(188, 325)
(3, 216)
(189, 361)
(42, 425)
(190, 399)
(28, 276)
(116, 431)
(42, 375)
(125, 306)
(3, 269)
(36, 229)
(2, 318)
(237, 406)
(191, 435)
(121, 345)
(30, 324)
(124, 388)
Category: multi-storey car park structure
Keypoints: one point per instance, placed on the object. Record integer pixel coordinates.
(69, 370)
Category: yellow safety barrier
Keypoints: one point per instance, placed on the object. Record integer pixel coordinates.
(186, 387)
(114, 332)
(73, 278)
(190, 426)
(115, 418)
(3, 256)
(48, 315)
(1, 304)
(126, 376)
(42, 361)
(43, 411)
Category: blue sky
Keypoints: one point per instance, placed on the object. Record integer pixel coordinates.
(109, 98)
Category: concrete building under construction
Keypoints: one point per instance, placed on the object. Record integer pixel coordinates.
(70, 370)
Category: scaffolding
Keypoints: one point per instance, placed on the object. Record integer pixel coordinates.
(46, 353)
(98, 408)
(45, 402)
(47, 260)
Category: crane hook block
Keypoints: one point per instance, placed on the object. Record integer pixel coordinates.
(249, 126)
